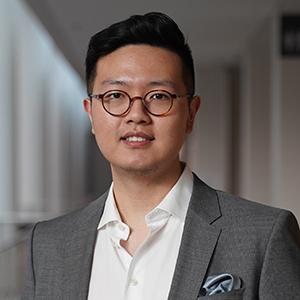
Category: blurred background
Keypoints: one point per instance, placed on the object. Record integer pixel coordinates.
(246, 139)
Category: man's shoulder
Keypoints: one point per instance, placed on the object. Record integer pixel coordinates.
(73, 220)
(238, 211)
(233, 203)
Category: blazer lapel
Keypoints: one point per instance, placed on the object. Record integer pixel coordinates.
(198, 243)
(79, 250)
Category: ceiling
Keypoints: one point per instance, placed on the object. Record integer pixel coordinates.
(217, 30)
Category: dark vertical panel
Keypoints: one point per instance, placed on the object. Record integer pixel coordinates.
(290, 35)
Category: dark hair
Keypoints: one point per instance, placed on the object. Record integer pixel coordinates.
(155, 29)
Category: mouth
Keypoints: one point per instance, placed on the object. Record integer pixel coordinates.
(137, 138)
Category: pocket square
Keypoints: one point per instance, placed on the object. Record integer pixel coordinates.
(221, 283)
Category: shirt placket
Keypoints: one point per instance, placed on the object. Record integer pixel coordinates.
(134, 284)
(120, 231)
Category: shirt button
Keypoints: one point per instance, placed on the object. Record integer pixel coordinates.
(133, 282)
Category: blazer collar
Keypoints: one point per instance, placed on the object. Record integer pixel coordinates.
(198, 242)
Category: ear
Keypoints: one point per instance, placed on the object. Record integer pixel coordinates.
(194, 106)
(87, 105)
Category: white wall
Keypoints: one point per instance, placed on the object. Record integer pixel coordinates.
(43, 126)
(42, 135)
(6, 174)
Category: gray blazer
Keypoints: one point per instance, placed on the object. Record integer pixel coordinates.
(222, 234)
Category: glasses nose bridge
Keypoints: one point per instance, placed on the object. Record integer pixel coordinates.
(132, 99)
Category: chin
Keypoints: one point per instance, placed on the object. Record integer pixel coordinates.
(138, 168)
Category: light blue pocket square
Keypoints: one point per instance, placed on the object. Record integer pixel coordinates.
(221, 283)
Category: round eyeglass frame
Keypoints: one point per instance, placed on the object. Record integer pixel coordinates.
(132, 99)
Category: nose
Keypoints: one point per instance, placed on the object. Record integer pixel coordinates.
(137, 112)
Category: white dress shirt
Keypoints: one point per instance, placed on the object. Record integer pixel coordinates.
(147, 275)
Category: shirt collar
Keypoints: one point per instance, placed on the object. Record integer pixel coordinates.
(177, 200)
(175, 203)
(110, 213)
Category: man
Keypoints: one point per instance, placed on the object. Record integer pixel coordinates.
(159, 232)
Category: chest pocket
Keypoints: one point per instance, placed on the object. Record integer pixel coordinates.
(233, 295)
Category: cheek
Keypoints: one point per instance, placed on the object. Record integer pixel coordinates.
(102, 122)
(174, 132)
(180, 127)
(105, 132)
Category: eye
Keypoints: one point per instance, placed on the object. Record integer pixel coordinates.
(114, 95)
(159, 95)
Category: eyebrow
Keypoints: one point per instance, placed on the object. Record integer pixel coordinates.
(162, 83)
(114, 82)
(150, 84)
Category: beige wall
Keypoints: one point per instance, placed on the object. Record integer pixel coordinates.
(207, 150)
(289, 131)
(255, 118)
(270, 143)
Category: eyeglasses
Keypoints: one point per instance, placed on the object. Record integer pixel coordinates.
(118, 103)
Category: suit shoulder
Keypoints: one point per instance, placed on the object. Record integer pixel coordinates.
(235, 207)
(256, 220)
(73, 219)
(234, 210)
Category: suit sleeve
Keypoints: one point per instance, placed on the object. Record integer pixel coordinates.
(29, 280)
(280, 276)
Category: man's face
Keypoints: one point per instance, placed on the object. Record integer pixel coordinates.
(138, 69)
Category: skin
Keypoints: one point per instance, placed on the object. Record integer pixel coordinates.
(152, 167)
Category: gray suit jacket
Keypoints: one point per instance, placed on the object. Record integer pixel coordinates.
(222, 234)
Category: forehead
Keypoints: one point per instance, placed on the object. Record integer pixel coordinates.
(140, 64)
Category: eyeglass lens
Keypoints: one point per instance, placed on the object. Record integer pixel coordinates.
(156, 102)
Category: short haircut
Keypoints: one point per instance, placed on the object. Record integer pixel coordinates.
(154, 29)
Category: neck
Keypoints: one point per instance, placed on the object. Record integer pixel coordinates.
(137, 193)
